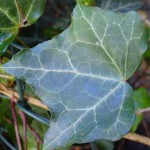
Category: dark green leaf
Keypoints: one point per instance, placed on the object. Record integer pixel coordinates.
(147, 53)
(6, 114)
(15, 14)
(105, 145)
(31, 139)
(141, 101)
(40, 128)
(5, 108)
(81, 75)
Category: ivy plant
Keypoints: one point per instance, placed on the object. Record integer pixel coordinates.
(81, 75)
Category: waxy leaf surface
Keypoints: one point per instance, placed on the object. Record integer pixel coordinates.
(15, 14)
(81, 75)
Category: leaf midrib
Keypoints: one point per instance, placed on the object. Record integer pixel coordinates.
(65, 71)
(113, 61)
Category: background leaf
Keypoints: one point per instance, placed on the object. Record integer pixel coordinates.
(81, 75)
(86, 2)
(120, 5)
(147, 53)
(39, 127)
(105, 145)
(15, 14)
(141, 101)
(5, 113)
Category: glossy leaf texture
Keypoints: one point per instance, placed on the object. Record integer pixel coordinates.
(120, 5)
(15, 14)
(80, 75)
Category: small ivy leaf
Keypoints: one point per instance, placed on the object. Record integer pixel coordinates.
(40, 128)
(120, 5)
(81, 75)
(141, 101)
(15, 14)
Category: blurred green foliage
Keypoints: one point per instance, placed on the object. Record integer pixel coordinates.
(86, 2)
(141, 101)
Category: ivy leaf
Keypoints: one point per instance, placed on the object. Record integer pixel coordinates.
(81, 75)
(141, 101)
(15, 14)
(31, 139)
(120, 5)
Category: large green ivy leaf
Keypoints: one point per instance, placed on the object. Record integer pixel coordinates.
(81, 75)
(120, 5)
(15, 14)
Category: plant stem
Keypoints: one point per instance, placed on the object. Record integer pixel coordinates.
(20, 90)
(22, 42)
(24, 120)
(5, 76)
(3, 96)
(34, 133)
(141, 111)
(138, 138)
(25, 125)
(93, 146)
(17, 46)
(7, 143)
(38, 145)
(15, 123)
(31, 100)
